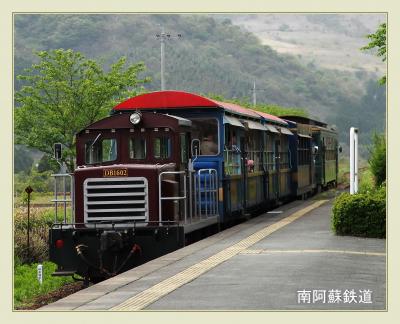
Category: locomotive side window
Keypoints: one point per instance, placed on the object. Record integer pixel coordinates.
(270, 152)
(100, 150)
(206, 130)
(284, 153)
(231, 152)
(330, 149)
(137, 148)
(254, 150)
(162, 147)
(304, 151)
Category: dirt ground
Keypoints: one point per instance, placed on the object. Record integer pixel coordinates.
(53, 296)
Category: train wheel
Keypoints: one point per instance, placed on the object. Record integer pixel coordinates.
(86, 282)
(96, 280)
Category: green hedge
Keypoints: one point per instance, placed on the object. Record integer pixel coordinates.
(362, 214)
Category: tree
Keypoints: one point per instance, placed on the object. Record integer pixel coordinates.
(47, 163)
(378, 39)
(377, 160)
(22, 159)
(64, 93)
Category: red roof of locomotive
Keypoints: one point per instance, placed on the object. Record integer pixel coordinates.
(180, 99)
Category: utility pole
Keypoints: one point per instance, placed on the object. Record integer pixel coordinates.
(254, 92)
(163, 36)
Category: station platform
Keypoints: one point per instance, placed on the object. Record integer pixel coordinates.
(286, 259)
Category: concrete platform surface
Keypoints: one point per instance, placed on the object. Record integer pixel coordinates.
(285, 260)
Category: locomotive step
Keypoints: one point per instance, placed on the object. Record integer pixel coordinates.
(62, 273)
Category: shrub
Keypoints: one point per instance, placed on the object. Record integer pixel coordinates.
(40, 222)
(377, 160)
(38, 217)
(366, 181)
(38, 247)
(362, 214)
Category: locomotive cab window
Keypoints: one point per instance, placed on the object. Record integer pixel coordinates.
(137, 148)
(162, 147)
(100, 150)
(206, 131)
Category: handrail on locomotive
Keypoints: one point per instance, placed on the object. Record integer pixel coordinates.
(174, 198)
(202, 192)
(63, 177)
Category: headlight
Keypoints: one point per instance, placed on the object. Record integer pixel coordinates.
(135, 117)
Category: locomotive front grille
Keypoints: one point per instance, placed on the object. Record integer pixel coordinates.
(116, 199)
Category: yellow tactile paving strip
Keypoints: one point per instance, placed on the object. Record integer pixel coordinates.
(152, 294)
(267, 251)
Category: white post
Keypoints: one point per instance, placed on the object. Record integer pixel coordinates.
(40, 273)
(353, 160)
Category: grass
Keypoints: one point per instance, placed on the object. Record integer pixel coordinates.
(36, 198)
(344, 169)
(39, 215)
(27, 287)
(41, 220)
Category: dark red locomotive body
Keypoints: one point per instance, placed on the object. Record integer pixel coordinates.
(117, 217)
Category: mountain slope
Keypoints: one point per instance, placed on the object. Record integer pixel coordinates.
(212, 56)
(330, 40)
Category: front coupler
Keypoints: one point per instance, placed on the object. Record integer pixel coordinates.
(102, 252)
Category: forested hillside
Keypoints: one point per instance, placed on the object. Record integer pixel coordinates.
(328, 40)
(212, 56)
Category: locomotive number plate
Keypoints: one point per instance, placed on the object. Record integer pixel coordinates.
(115, 172)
